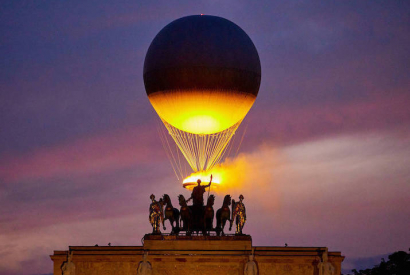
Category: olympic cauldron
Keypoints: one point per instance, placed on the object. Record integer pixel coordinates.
(202, 75)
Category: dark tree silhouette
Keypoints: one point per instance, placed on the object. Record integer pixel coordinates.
(398, 264)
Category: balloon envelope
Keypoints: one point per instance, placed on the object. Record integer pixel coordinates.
(202, 74)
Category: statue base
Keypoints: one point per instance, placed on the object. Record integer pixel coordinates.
(221, 243)
(196, 255)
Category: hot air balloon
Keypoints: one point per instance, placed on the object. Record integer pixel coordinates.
(202, 75)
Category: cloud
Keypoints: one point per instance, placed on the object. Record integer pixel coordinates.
(17, 249)
(340, 191)
(91, 177)
(285, 125)
(334, 191)
(87, 155)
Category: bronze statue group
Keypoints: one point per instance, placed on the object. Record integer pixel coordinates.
(197, 217)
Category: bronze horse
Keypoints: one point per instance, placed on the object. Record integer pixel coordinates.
(209, 214)
(186, 215)
(171, 214)
(222, 215)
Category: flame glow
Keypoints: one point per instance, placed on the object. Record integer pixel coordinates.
(191, 181)
(228, 176)
(245, 173)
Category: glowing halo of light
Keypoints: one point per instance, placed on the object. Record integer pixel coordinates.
(191, 181)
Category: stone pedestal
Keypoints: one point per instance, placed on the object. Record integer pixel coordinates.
(202, 255)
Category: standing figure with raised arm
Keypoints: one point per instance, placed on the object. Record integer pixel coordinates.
(198, 206)
(238, 215)
(198, 194)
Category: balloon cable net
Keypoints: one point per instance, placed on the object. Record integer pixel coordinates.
(202, 151)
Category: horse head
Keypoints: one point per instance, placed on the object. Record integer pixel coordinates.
(227, 200)
(182, 201)
(211, 201)
(166, 198)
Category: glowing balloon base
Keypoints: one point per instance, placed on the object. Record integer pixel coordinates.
(191, 181)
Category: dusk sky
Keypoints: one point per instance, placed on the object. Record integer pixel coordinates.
(325, 156)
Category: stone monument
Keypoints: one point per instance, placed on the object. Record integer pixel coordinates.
(197, 255)
(195, 251)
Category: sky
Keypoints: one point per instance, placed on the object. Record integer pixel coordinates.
(324, 159)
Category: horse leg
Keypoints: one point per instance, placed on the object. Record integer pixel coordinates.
(171, 221)
(188, 229)
(223, 227)
(218, 227)
(174, 228)
(178, 228)
(205, 231)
